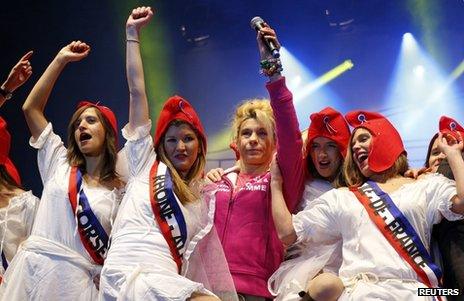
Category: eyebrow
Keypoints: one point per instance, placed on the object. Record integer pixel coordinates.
(253, 129)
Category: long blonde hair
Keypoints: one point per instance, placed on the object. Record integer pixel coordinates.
(183, 186)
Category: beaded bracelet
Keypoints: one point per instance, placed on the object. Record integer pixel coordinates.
(271, 66)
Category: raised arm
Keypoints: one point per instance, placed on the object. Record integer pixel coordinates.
(289, 142)
(268, 63)
(138, 110)
(280, 213)
(19, 74)
(453, 151)
(34, 105)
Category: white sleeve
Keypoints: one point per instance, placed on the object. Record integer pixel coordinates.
(318, 222)
(32, 203)
(122, 167)
(51, 154)
(138, 148)
(440, 191)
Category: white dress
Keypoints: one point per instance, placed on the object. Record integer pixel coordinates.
(16, 221)
(52, 264)
(139, 265)
(371, 268)
(304, 260)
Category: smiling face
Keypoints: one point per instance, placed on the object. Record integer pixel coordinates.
(326, 157)
(254, 142)
(360, 147)
(89, 133)
(436, 156)
(182, 147)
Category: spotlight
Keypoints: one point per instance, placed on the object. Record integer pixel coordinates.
(407, 36)
(408, 41)
(296, 81)
(419, 93)
(419, 71)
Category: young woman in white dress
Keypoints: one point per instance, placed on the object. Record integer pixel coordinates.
(62, 258)
(372, 267)
(17, 206)
(163, 244)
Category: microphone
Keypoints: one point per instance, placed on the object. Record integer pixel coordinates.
(257, 24)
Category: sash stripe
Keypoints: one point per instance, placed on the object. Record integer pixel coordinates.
(167, 211)
(4, 261)
(92, 234)
(376, 201)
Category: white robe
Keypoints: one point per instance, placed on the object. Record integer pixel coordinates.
(16, 221)
(52, 264)
(307, 259)
(139, 265)
(371, 268)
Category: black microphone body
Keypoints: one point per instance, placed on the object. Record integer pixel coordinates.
(257, 24)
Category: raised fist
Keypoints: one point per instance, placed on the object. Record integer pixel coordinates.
(75, 51)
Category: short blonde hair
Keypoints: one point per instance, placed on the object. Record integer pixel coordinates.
(353, 176)
(259, 109)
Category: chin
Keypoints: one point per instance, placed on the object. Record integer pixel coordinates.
(254, 161)
(89, 153)
(367, 172)
(181, 168)
(324, 173)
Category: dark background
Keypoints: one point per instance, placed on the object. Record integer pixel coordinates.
(218, 71)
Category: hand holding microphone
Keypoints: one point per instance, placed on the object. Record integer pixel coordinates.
(266, 36)
(269, 46)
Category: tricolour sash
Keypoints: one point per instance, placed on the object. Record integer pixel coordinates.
(92, 233)
(167, 211)
(398, 231)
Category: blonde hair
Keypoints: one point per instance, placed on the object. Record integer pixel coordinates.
(182, 186)
(258, 109)
(353, 176)
(75, 156)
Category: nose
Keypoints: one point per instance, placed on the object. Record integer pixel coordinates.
(82, 125)
(322, 154)
(356, 146)
(180, 145)
(253, 137)
(441, 156)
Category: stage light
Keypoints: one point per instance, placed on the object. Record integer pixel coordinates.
(295, 82)
(408, 36)
(309, 96)
(419, 71)
(420, 92)
(309, 92)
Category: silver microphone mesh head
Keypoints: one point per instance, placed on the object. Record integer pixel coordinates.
(255, 21)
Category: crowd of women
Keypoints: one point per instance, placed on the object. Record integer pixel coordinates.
(334, 214)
